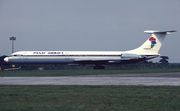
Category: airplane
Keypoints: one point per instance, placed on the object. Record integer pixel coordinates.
(148, 50)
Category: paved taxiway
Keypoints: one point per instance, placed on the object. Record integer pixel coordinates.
(158, 79)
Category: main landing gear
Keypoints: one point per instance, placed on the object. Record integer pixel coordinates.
(98, 67)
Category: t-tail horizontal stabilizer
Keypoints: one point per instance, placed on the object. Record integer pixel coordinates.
(156, 31)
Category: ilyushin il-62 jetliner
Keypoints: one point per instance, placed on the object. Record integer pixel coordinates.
(148, 50)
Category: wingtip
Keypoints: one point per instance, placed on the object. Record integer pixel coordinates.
(173, 31)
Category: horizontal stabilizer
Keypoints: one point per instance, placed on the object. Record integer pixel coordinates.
(156, 31)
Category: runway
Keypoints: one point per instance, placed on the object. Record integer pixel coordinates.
(158, 79)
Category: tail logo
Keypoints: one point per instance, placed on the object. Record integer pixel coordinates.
(153, 41)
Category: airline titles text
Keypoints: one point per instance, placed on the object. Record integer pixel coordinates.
(48, 53)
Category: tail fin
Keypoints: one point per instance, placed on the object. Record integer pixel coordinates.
(153, 43)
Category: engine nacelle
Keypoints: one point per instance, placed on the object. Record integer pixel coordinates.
(134, 56)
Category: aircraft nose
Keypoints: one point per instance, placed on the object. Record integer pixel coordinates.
(6, 59)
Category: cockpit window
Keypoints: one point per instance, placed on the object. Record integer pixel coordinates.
(16, 55)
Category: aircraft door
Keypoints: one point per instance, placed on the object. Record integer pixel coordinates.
(67, 55)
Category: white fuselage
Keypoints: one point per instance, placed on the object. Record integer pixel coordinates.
(76, 57)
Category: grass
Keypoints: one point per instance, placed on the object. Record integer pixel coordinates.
(81, 72)
(89, 98)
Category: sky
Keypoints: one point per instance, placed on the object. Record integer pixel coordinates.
(88, 25)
